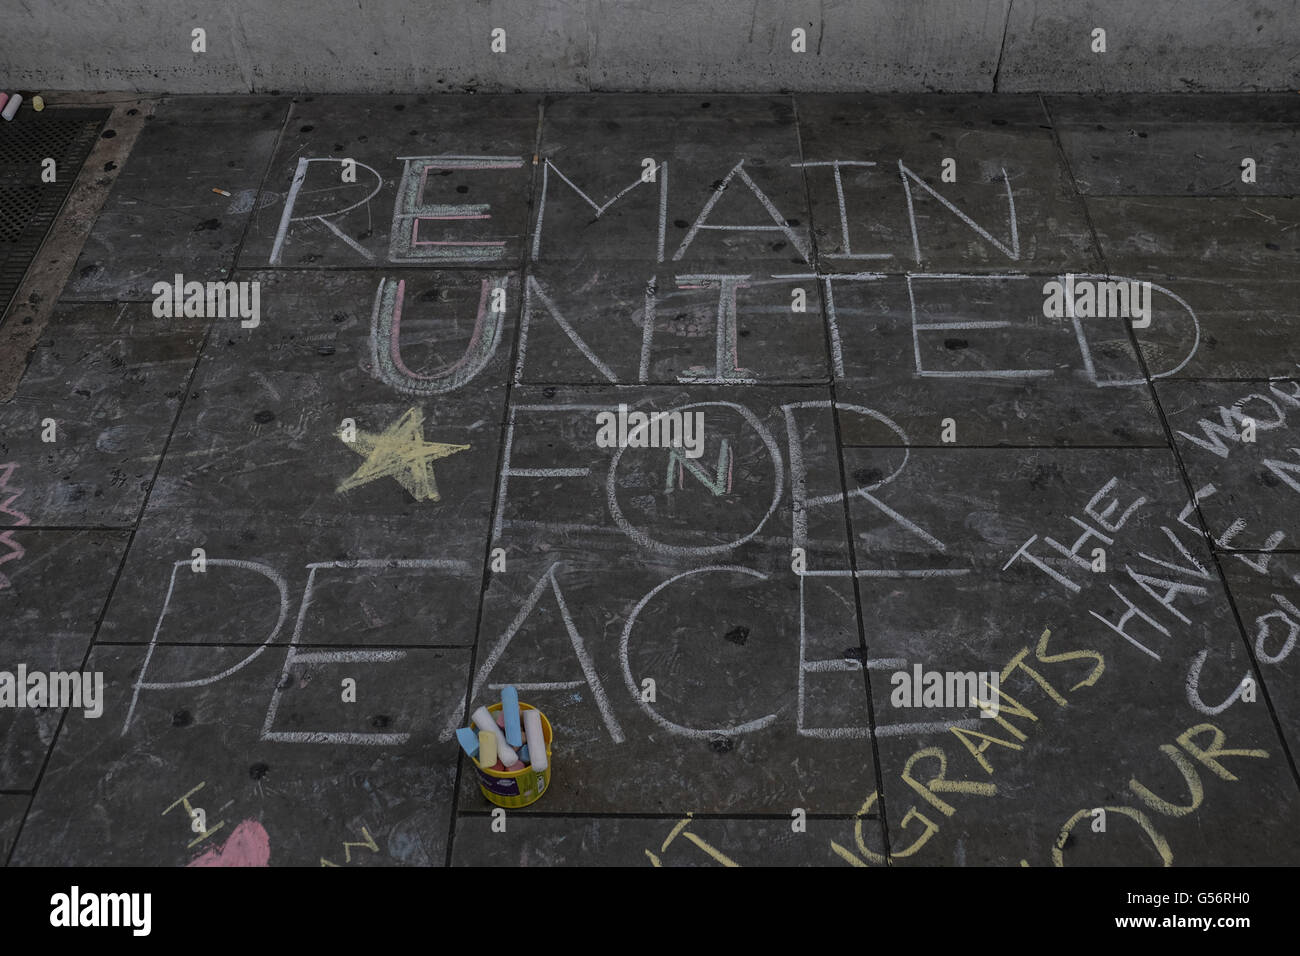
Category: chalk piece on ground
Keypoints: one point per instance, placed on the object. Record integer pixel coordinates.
(4, 98)
(11, 107)
(510, 711)
(536, 740)
(487, 748)
(469, 740)
(38, 103)
(220, 192)
(483, 721)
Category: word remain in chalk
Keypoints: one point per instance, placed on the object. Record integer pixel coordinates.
(56, 689)
(1080, 298)
(923, 688)
(675, 429)
(210, 300)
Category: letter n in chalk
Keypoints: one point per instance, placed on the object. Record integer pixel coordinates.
(590, 677)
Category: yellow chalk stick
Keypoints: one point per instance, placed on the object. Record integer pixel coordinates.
(487, 748)
(38, 103)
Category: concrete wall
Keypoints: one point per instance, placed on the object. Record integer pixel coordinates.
(723, 45)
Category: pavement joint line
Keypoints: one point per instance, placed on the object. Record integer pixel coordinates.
(489, 543)
(261, 188)
(850, 537)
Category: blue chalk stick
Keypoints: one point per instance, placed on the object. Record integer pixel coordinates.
(523, 753)
(469, 740)
(510, 706)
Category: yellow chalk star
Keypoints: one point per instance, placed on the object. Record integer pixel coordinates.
(400, 452)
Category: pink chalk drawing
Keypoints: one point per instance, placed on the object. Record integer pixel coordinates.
(248, 845)
(8, 495)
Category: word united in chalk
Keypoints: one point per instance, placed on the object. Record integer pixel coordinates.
(57, 689)
(923, 688)
(208, 300)
(624, 429)
(1087, 299)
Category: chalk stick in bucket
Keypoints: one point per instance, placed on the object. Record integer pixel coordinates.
(487, 748)
(536, 740)
(510, 707)
(483, 721)
(469, 740)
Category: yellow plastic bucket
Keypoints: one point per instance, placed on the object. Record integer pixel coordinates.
(516, 788)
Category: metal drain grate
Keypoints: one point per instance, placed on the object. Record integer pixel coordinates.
(17, 206)
(28, 207)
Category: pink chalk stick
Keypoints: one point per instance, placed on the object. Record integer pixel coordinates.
(517, 765)
(4, 98)
(501, 719)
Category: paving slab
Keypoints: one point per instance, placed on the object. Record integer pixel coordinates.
(164, 215)
(438, 180)
(1253, 482)
(1122, 647)
(1266, 590)
(12, 809)
(110, 380)
(731, 188)
(531, 840)
(596, 321)
(1226, 237)
(349, 784)
(1205, 327)
(915, 352)
(887, 208)
(53, 587)
(1178, 144)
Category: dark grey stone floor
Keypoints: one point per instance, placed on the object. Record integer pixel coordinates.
(881, 389)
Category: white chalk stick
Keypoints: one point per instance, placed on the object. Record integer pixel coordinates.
(12, 106)
(536, 740)
(484, 720)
